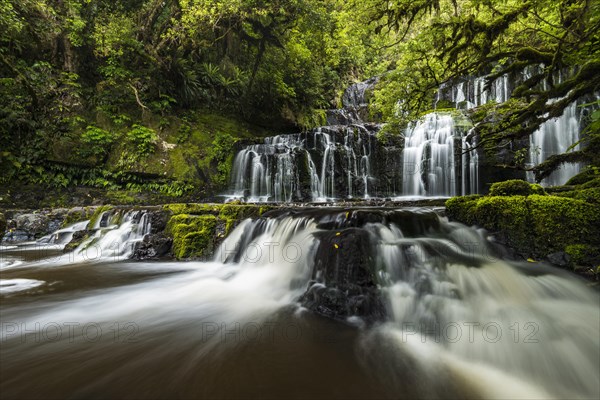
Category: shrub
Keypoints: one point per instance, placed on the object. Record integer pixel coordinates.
(143, 138)
(97, 141)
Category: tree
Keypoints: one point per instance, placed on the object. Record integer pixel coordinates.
(445, 39)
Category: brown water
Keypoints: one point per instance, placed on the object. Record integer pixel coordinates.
(107, 328)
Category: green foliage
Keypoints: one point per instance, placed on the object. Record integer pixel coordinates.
(515, 187)
(97, 141)
(445, 40)
(221, 153)
(144, 139)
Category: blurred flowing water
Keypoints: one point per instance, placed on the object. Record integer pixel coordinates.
(459, 321)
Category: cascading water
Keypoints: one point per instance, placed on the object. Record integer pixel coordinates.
(265, 172)
(330, 162)
(555, 137)
(430, 162)
(439, 315)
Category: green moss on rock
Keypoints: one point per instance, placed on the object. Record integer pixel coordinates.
(584, 176)
(590, 195)
(515, 187)
(533, 225)
(193, 235)
(583, 254)
(76, 215)
(97, 214)
(234, 213)
(194, 208)
(197, 229)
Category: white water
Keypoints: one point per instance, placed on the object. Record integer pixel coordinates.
(435, 276)
(64, 235)
(555, 137)
(270, 171)
(429, 159)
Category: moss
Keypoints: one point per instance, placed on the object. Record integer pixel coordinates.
(97, 214)
(560, 221)
(193, 235)
(513, 187)
(583, 254)
(583, 177)
(461, 208)
(507, 215)
(234, 213)
(534, 225)
(77, 215)
(592, 183)
(194, 208)
(590, 195)
(537, 189)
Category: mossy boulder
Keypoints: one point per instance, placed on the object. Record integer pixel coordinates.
(583, 254)
(515, 187)
(197, 229)
(584, 176)
(97, 214)
(535, 225)
(77, 214)
(193, 235)
(78, 238)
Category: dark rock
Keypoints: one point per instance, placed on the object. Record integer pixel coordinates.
(559, 258)
(36, 225)
(2, 225)
(78, 238)
(16, 235)
(152, 247)
(158, 221)
(343, 280)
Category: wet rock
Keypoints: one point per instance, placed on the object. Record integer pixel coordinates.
(15, 235)
(2, 225)
(559, 258)
(35, 225)
(78, 238)
(343, 283)
(158, 221)
(152, 247)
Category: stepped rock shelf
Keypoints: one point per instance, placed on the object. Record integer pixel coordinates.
(437, 155)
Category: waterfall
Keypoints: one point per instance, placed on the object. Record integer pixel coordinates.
(265, 172)
(113, 237)
(428, 309)
(64, 235)
(555, 137)
(325, 164)
(430, 163)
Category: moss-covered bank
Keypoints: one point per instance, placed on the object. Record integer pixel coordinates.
(198, 229)
(535, 224)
